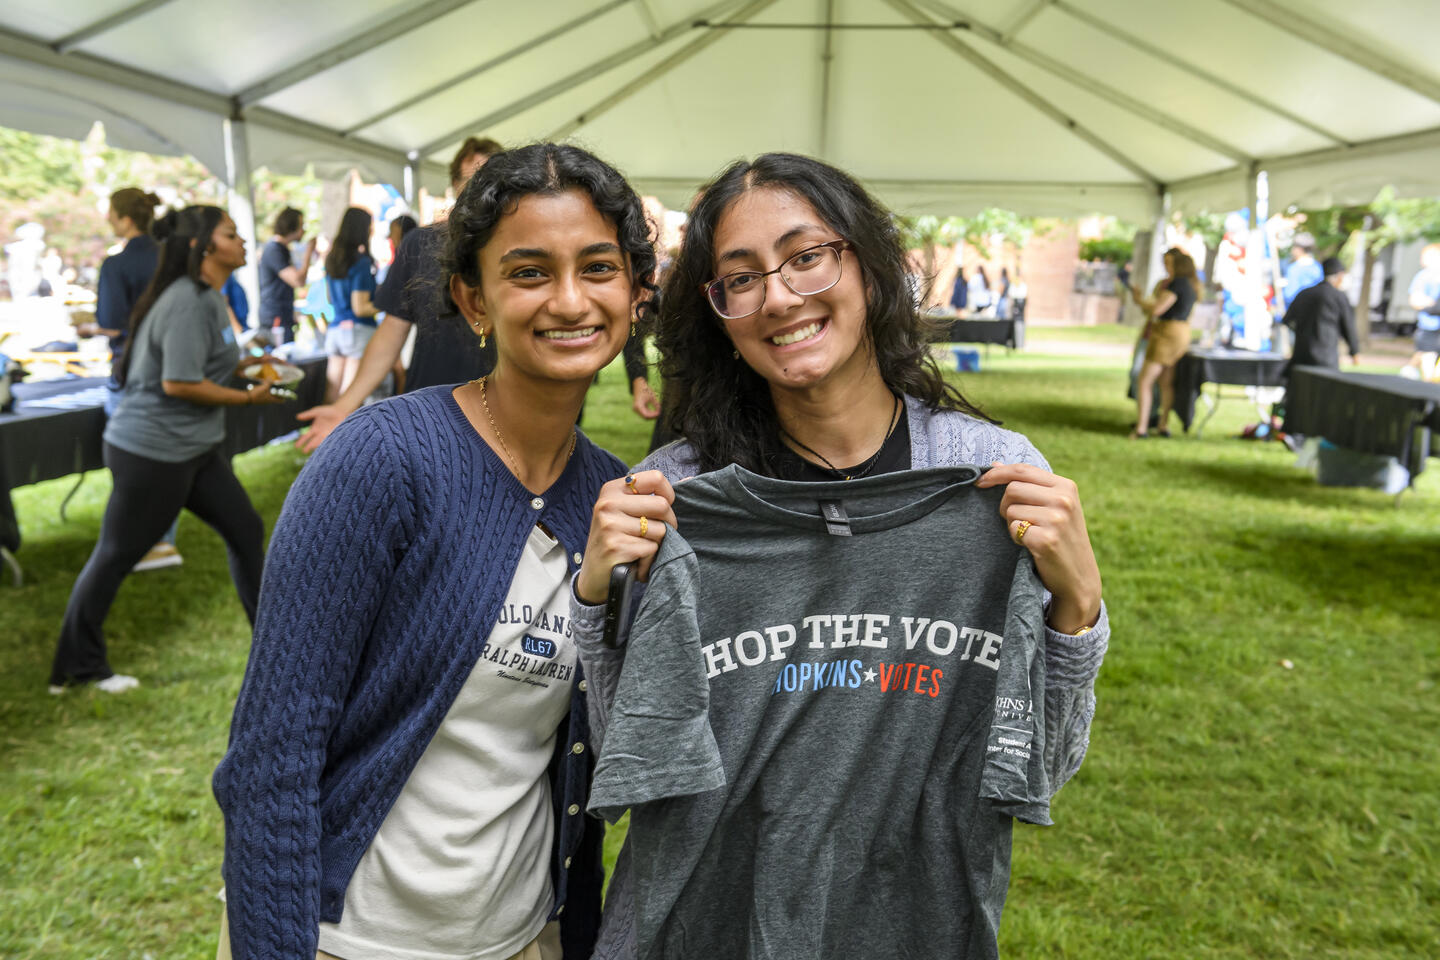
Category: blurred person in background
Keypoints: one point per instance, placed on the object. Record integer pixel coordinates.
(979, 292)
(1301, 271)
(1002, 302)
(350, 284)
(1425, 299)
(123, 278)
(960, 290)
(1321, 316)
(280, 277)
(238, 303)
(163, 443)
(411, 297)
(1167, 337)
(400, 228)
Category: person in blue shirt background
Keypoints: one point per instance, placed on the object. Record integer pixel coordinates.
(350, 283)
(239, 304)
(1301, 271)
(1425, 299)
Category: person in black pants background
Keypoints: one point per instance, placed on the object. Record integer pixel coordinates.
(162, 444)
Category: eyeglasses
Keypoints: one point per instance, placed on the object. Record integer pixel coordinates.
(812, 270)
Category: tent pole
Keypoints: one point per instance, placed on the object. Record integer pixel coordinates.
(412, 177)
(240, 199)
(827, 57)
(975, 59)
(1155, 267)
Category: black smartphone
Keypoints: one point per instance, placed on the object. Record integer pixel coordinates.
(617, 602)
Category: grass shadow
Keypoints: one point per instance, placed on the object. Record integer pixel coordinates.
(1270, 481)
(1356, 569)
(1070, 416)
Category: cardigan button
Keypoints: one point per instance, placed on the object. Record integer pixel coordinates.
(567, 862)
(578, 748)
(573, 809)
(583, 686)
(577, 557)
(560, 909)
(538, 503)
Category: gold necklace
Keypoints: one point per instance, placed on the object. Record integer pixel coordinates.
(484, 402)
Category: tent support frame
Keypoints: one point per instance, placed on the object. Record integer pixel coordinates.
(490, 64)
(655, 73)
(116, 20)
(349, 48)
(565, 84)
(965, 52)
(1249, 96)
(1077, 79)
(1347, 48)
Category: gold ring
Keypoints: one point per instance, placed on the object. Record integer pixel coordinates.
(644, 526)
(630, 484)
(1020, 530)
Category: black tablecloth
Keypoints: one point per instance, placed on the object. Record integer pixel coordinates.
(1366, 412)
(56, 428)
(982, 331)
(1219, 365)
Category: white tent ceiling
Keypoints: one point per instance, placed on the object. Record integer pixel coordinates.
(1045, 106)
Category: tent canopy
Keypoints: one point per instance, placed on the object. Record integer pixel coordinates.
(1048, 107)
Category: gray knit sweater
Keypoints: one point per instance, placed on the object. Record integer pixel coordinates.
(945, 438)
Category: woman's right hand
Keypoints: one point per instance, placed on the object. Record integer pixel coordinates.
(615, 531)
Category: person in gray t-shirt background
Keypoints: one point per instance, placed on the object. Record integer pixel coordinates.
(162, 444)
(791, 348)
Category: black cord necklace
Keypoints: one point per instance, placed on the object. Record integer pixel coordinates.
(861, 469)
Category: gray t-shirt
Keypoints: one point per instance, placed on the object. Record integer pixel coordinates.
(823, 738)
(186, 336)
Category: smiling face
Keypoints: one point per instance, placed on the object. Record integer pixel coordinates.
(793, 341)
(555, 289)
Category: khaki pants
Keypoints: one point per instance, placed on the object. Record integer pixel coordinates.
(544, 947)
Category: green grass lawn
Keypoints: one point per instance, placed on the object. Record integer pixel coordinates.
(1231, 805)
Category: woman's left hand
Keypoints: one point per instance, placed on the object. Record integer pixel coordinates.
(1055, 536)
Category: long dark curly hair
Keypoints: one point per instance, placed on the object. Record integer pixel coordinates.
(547, 169)
(714, 399)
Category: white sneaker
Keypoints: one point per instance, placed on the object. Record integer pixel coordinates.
(118, 683)
(160, 556)
(115, 683)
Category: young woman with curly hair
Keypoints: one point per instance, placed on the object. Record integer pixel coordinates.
(409, 756)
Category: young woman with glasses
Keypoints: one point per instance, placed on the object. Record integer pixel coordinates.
(791, 347)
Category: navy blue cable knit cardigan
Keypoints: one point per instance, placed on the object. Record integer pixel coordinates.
(387, 568)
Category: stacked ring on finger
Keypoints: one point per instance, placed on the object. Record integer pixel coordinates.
(1020, 530)
(644, 526)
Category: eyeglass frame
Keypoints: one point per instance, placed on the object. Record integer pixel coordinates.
(839, 246)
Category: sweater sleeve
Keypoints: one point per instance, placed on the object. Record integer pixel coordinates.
(1072, 662)
(331, 560)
